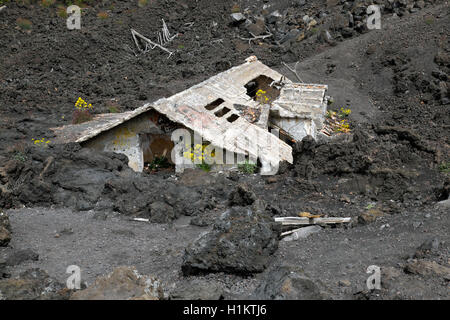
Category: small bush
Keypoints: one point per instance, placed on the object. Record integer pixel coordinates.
(24, 24)
(47, 3)
(429, 20)
(113, 109)
(113, 106)
(81, 116)
(344, 112)
(444, 167)
(204, 166)
(159, 163)
(19, 156)
(247, 167)
(102, 15)
(62, 12)
(142, 3)
(235, 8)
(41, 142)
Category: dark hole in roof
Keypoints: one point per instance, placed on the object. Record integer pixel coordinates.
(214, 104)
(222, 112)
(232, 118)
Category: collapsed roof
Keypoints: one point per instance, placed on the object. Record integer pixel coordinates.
(223, 110)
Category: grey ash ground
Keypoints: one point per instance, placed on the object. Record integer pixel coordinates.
(390, 174)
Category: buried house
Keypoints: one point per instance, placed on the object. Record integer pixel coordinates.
(232, 111)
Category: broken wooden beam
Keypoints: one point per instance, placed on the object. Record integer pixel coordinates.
(286, 221)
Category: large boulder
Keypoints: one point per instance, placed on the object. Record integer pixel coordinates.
(197, 289)
(288, 283)
(19, 256)
(5, 234)
(241, 242)
(124, 283)
(161, 212)
(241, 196)
(33, 284)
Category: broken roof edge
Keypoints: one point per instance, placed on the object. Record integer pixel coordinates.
(124, 117)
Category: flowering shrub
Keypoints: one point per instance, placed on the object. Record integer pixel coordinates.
(81, 114)
(344, 112)
(41, 142)
(200, 155)
(336, 124)
(82, 105)
(261, 96)
(343, 126)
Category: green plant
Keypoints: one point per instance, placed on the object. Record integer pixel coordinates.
(158, 163)
(113, 109)
(113, 106)
(204, 166)
(343, 126)
(61, 11)
(261, 96)
(429, 20)
(82, 105)
(336, 124)
(47, 3)
(235, 8)
(41, 142)
(199, 155)
(19, 156)
(247, 167)
(445, 167)
(102, 15)
(344, 112)
(142, 3)
(24, 24)
(330, 114)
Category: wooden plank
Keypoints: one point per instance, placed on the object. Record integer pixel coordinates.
(285, 221)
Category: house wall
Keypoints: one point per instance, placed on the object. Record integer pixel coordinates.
(296, 127)
(130, 138)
